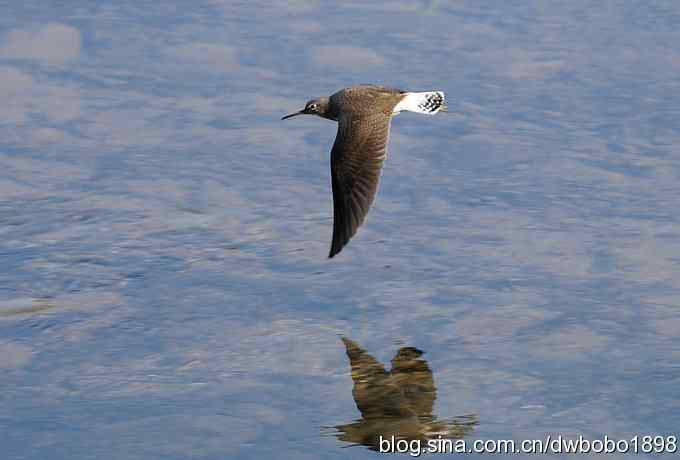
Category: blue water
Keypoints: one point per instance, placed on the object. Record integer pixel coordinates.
(164, 287)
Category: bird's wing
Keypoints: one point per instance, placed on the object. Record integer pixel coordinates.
(373, 393)
(356, 160)
(365, 368)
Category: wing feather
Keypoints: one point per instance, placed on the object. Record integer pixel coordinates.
(356, 161)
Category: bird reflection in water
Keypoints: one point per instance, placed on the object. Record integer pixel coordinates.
(397, 403)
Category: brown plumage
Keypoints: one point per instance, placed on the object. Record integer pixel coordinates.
(408, 389)
(397, 403)
(363, 114)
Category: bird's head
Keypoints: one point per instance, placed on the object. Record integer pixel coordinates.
(319, 107)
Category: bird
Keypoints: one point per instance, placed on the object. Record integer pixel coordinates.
(364, 114)
(408, 389)
(397, 403)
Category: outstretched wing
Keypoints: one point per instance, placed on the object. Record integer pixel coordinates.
(365, 368)
(356, 161)
(373, 393)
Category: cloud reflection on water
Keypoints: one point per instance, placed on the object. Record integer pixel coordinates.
(528, 241)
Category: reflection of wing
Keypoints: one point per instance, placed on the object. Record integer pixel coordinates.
(414, 377)
(407, 390)
(364, 366)
(356, 160)
(398, 403)
(373, 392)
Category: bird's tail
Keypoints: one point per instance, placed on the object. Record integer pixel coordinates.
(429, 103)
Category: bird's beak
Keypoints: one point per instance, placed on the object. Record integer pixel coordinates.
(295, 114)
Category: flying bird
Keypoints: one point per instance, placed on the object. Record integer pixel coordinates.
(363, 113)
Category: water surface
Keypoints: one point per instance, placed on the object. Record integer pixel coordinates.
(165, 292)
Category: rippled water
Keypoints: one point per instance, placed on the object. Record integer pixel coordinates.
(165, 292)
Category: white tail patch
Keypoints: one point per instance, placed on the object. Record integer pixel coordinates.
(428, 103)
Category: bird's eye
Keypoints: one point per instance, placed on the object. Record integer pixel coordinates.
(312, 106)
